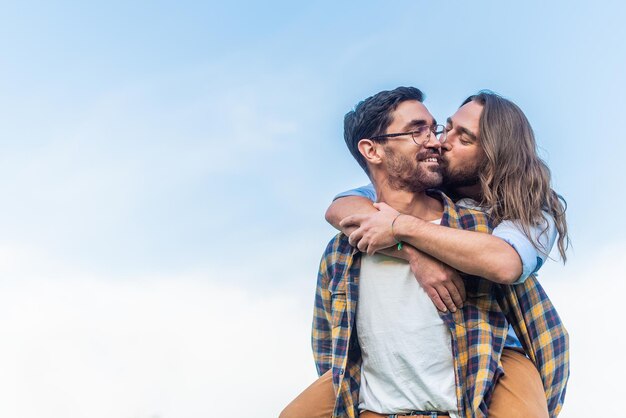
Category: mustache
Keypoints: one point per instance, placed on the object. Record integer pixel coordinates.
(428, 154)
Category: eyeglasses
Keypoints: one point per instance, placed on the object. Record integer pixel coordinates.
(421, 135)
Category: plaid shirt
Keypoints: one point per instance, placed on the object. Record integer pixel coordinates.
(478, 330)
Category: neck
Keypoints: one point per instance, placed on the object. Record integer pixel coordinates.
(473, 192)
(417, 204)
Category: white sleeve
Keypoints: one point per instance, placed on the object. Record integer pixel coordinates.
(532, 258)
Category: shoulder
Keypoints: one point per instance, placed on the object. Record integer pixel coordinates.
(366, 191)
(474, 220)
(337, 252)
(462, 216)
(337, 246)
(336, 263)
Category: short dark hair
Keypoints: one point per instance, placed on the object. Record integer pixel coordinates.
(372, 116)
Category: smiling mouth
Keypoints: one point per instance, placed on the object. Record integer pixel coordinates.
(431, 160)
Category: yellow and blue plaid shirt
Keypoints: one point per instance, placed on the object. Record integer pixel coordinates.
(478, 330)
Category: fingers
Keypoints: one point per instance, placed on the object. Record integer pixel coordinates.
(362, 245)
(352, 220)
(443, 298)
(359, 240)
(347, 221)
(460, 285)
(446, 297)
(434, 296)
(455, 295)
(383, 206)
(366, 246)
(355, 237)
(373, 248)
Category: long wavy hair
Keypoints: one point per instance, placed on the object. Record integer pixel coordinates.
(515, 182)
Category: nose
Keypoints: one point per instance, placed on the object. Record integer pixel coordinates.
(446, 146)
(433, 143)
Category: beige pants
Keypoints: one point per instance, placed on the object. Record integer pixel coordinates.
(518, 394)
(369, 414)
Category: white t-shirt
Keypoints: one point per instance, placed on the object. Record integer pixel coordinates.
(406, 347)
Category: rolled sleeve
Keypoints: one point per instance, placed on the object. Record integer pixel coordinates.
(531, 257)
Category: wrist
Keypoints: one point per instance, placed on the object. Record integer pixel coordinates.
(393, 232)
(407, 227)
(411, 254)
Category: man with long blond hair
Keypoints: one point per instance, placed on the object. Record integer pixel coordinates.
(489, 162)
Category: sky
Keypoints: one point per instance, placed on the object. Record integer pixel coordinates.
(165, 168)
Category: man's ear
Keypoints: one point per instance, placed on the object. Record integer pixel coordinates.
(371, 151)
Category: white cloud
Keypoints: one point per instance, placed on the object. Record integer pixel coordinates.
(589, 294)
(198, 345)
(186, 345)
(166, 347)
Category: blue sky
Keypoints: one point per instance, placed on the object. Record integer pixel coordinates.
(166, 167)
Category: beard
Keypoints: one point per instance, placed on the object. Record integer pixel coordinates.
(460, 177)
(410, 174)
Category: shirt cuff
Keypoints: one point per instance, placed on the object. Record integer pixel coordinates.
(527, 254)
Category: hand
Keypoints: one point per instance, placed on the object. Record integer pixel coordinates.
(441, 282)
(373, 231)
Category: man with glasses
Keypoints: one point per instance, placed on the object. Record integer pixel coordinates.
(408, 358)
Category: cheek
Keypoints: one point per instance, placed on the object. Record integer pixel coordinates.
(475, 157)
(466, 155)
(451, 159)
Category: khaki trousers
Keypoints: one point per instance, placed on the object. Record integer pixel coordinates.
(518, 394)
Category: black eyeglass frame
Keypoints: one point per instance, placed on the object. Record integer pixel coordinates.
(437, 130)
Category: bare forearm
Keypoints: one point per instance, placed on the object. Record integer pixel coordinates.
(345, 206)
(474, 253)
(407, 253)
